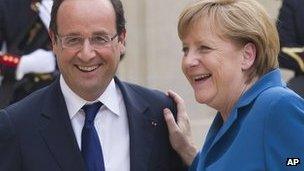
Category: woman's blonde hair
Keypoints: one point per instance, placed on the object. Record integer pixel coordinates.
(241, 21)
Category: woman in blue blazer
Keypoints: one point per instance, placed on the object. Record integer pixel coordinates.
(230, 59)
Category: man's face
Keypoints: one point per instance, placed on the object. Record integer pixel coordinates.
(87, 70)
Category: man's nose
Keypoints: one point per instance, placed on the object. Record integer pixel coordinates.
(88, 51)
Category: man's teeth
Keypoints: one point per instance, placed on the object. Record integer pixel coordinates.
(201, 77)
(87, 68)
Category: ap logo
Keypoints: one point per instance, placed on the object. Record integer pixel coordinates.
(292, 161)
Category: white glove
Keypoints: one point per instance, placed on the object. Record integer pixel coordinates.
(40, 61)
(45, 8)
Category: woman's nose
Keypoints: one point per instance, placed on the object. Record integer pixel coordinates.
(191, 60)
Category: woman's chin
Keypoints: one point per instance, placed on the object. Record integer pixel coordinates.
(200, 99)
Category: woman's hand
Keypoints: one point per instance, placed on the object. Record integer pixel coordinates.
(180, 132)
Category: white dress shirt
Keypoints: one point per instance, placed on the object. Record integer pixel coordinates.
(111, 123)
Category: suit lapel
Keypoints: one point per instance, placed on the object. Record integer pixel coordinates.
(57, 131)
(226, 132)
(141, 127)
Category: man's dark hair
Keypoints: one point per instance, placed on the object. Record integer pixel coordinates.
(118, 8)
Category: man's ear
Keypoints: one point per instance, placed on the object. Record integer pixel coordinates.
(53, 38)
(249, 55)
(122, 41)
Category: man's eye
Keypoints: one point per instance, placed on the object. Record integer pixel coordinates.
(99, 39)
(73, 40)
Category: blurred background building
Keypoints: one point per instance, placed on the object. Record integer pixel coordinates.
(153, 55)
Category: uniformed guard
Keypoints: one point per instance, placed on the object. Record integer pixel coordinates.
(290, 25)
(26, 60)
(295, 56)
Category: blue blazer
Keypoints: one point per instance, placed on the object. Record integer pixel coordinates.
(36, 133)
(264, 130)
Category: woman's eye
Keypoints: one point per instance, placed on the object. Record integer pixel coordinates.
(185, 50)
(204, 49)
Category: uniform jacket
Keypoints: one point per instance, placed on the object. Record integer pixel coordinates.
(290, 26)
(23, 32)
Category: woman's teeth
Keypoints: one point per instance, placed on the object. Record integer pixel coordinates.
(202, 77)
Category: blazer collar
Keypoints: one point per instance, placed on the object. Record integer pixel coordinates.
(271, 79)
(141, 128)
(57, 131)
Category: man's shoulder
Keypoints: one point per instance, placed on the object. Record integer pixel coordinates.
(155, 98)
(145, 92)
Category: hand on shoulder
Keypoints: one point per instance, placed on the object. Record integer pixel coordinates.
(180, 131)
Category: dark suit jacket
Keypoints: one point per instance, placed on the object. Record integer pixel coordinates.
(290, 26)
(291, 31)
(36, 133)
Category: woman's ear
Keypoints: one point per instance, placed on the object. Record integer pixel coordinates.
(249, 56)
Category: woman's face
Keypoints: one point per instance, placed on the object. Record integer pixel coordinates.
(213, 67)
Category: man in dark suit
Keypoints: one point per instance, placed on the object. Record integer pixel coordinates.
(27, 62)
(54, 128)
(290, 26)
